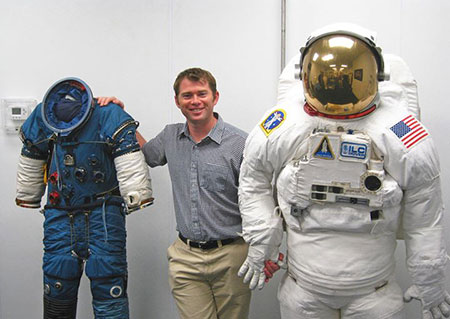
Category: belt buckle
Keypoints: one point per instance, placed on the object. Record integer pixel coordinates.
(202, 244)
(195, 244)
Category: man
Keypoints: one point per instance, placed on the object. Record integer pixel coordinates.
(204, 156)
(96, 174)
(351, 168)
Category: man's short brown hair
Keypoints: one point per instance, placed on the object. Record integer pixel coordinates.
(195, 75)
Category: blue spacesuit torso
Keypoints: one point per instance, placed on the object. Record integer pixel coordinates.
(81, 166)
(84, 226)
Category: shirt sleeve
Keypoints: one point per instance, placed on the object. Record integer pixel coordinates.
(154, 150)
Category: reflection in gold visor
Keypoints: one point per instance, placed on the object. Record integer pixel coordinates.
(339, 74)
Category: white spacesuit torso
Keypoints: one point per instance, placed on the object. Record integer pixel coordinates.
(342, 186)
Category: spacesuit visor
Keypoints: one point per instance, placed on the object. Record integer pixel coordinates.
(66, 105)
(339, 75)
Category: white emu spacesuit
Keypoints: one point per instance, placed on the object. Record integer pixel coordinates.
(349, 170)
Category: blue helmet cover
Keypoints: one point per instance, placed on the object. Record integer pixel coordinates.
(67, 105)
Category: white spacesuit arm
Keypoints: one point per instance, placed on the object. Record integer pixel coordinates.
(30, 184)
(260, 222)
(134, 180)
(425, 244)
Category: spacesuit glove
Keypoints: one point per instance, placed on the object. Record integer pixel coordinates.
(435, 301)
(253, 267)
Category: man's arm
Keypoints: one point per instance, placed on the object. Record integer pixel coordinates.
(141, 140)
(105, 100)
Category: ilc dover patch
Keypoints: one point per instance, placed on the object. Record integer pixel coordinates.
(354, 150)
(273, 121)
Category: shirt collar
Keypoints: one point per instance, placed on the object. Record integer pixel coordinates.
(215, 134)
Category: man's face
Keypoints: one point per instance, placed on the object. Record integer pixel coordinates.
(196, 101)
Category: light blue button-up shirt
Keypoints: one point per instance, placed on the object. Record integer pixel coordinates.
(204, 178)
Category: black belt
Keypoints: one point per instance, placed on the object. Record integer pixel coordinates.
(207, 244)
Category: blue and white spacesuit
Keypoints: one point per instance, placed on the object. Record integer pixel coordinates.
(95, 174)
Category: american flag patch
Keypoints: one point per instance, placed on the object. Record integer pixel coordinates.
(409, 131)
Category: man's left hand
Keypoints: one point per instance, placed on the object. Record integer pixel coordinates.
(105, 100)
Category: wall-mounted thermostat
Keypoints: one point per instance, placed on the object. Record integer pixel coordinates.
(15, 111)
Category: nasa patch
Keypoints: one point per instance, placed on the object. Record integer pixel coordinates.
(274, 120)
(324, 150)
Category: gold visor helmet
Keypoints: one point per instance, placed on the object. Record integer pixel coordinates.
(340, 73)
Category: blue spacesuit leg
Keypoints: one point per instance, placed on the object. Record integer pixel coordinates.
(62, 270)
(60, 298)
(110, 300)
(107, 263)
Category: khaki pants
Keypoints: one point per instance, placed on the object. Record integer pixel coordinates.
(205, 284)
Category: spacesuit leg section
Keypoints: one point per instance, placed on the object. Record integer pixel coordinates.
(60, 298)
(59, 309)
(106, 266)
(385, 302)
(110, 300)
(297, 303)
(62, 271)
(60, 294)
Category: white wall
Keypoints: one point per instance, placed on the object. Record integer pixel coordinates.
(133, 49)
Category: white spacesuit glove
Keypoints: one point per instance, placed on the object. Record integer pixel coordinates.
(435, 301)
(253, 267)
(134, 180)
